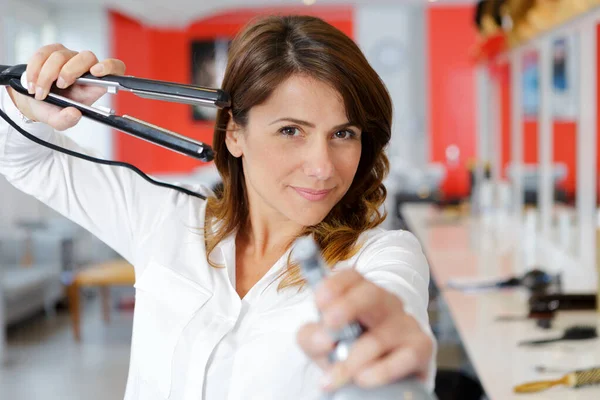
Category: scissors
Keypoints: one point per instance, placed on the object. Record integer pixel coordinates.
(146, 88)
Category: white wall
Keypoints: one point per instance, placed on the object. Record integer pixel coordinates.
(19, 19)
(20, 16)
(39, 24)
(87, 28)
(393, 40)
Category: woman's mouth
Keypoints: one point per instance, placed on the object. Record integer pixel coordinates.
(311, 194)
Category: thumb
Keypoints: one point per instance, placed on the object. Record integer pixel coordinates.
(65, 119)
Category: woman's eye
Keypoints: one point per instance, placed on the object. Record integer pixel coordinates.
(289, 131)
(347, 134)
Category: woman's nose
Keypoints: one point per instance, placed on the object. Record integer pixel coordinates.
(319, 161)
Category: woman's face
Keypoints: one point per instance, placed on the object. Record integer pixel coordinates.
(299, 152)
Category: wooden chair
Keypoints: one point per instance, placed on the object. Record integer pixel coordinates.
(105, 275)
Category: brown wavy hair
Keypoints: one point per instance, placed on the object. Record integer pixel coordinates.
(263, 55)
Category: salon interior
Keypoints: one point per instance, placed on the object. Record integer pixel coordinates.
(494, 162)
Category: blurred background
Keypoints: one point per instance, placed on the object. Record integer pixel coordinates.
(494, 161)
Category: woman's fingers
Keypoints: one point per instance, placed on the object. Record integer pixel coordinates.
(364, 302)
(410, 358)
(316, 343)
(385, 338)
(377, 359)
(75, 67)
(65, 119)
(368, 348)
(36, 62)
(395, 366)
(50, 71)
(335, 286)
(393, 346)
(110, 66)
(56, 63)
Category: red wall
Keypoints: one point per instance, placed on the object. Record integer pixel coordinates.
(452, 103)
(565, 145)
(598, 119)
(565, 137)
(565, 140)
(564, 132)
(505, 116)
(164, 54)
(451, 88)
(530, 142)
(565, 151)
(451, 81)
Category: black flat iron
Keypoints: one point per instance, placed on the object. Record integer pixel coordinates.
(146, 88)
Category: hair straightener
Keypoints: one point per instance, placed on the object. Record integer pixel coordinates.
(146, 88)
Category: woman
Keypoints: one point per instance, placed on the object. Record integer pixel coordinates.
(221, 310)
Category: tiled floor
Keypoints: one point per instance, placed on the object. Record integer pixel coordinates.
(45, 363)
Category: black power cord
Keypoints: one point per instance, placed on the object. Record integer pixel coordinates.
(96, 160)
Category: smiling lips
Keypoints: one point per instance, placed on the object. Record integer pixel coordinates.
(312, 195)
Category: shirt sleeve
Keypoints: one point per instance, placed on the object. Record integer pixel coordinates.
(395, 261)
(112, 202)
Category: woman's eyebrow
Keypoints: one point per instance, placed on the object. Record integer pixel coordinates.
(310, 124)
(346, 125)
(295, 121)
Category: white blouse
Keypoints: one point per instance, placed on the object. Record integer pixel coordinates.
(193, 337)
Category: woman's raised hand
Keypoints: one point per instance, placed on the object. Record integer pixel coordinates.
(56, 63)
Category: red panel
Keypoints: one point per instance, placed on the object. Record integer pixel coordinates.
(451, 81)
(506, 112)
(530, 142)
(164, 54)
(131, 39)
(565, 151)
(565, 148)
(452, 104)
(565, 141)
(598, 113)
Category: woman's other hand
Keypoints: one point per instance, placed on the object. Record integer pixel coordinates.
(393, 347)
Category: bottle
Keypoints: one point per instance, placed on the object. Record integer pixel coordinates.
(307, 253)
